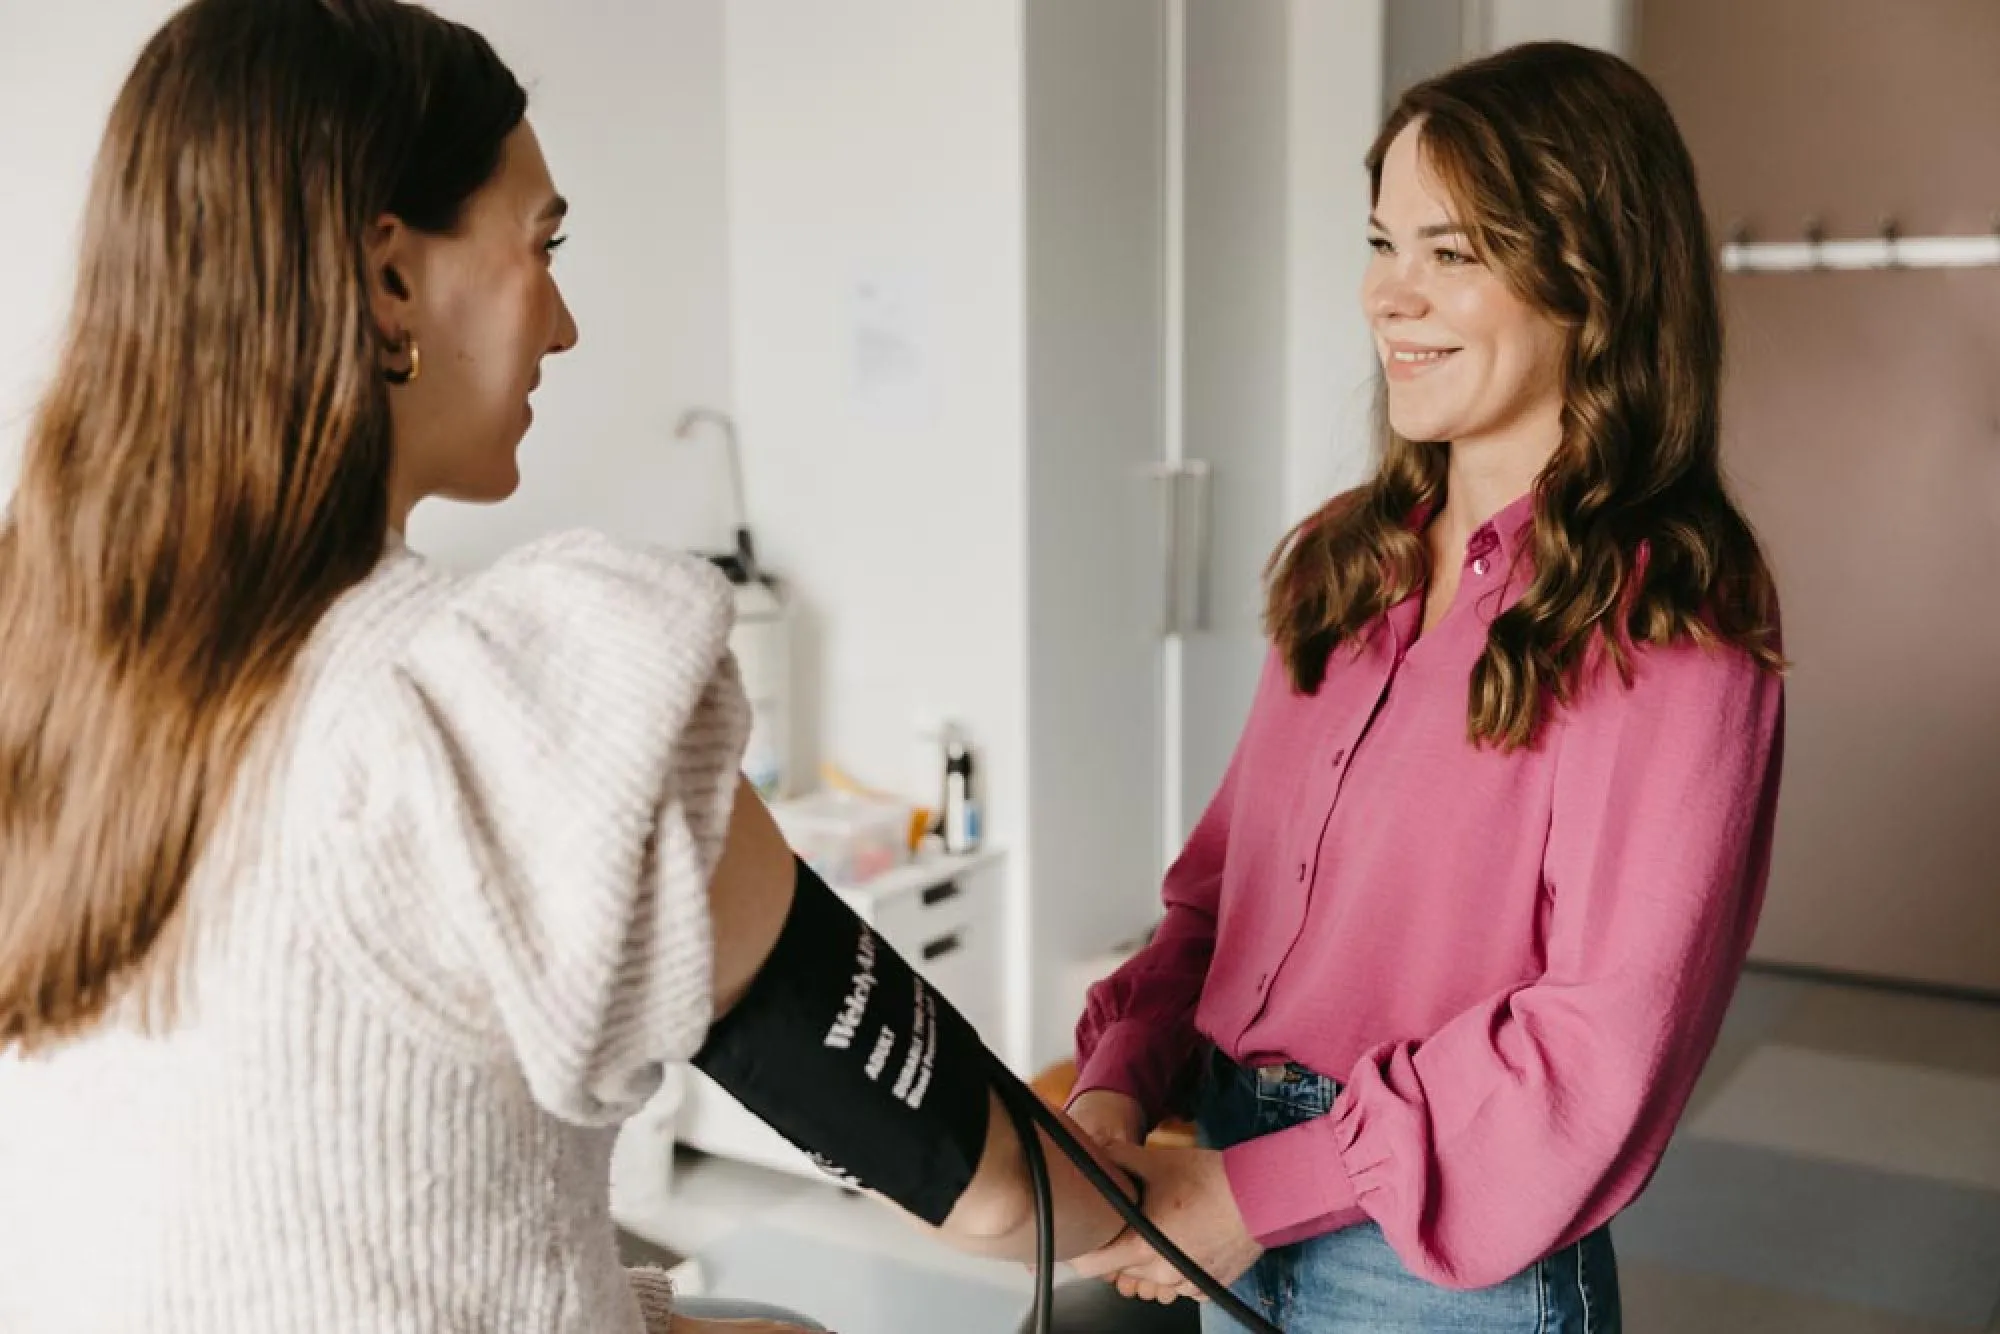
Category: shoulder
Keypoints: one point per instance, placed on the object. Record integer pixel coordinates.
(582, 583)
(506, 775)
(1677, 692)
(541, 605)
(561, 644)
(574, 615)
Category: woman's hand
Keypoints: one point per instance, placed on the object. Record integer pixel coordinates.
(1109, 1117)
(1188, 1198)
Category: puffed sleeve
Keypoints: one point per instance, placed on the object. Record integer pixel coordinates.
(557, 749)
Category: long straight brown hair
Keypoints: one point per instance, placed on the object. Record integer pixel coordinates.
(209, 468)
(1578, 191)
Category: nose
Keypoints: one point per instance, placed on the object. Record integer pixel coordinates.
(1391, 292)
(565, 338)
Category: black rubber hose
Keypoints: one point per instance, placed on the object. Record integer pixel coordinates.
(1045, 1231)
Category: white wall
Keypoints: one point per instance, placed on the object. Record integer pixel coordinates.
(60, 69)
(627, 99)
(879, 142)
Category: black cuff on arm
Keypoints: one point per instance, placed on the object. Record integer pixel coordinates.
(846, 1052)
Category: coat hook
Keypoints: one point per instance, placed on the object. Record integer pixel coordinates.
(1816, 238)
(1736, 239)
(1891, 234)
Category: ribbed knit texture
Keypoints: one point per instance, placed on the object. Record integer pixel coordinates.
(454, 927)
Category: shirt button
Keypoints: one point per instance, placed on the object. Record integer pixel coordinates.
(1302, 870)
(1338, 756)
(1479, 566)
(1263, 980)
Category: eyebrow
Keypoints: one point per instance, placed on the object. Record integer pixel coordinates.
(1425, 233)
(557, 207)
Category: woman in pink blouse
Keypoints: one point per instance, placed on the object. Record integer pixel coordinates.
(1445, 954)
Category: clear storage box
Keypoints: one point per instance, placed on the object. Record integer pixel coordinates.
(848, 840)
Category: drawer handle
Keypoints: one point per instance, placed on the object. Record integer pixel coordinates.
(942, 946)
(937, 894)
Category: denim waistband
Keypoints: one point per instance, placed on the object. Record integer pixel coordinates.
(1286, 1082)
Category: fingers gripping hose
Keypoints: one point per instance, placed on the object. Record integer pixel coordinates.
(844, 1050)
(1029, 1113)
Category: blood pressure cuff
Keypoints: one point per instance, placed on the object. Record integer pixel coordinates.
(841, 1048)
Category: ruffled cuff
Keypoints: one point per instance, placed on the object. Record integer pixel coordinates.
(1295, 1184)
(1127, 1059)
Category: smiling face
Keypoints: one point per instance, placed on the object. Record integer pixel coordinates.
(1467, 360)
(483, 308)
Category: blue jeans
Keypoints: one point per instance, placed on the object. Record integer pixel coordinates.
(719, 1308)
(1351, 1281)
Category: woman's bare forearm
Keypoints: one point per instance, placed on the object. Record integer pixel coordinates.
(996, 1215)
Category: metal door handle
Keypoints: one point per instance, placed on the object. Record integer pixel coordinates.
(1167, 477)
(1185, 539)
(1193, 511)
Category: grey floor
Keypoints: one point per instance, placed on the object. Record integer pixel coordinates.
(1838, 1173)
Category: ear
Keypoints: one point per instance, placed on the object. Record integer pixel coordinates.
(391, 251)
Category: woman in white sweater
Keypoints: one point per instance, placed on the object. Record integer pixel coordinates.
(347, 906)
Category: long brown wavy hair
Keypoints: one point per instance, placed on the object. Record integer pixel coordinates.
(1578, 191)
(209, 468)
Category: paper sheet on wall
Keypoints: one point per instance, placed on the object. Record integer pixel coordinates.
(889, 324)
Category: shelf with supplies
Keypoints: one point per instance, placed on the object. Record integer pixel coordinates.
(942, 912)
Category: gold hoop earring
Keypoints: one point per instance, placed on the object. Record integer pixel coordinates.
(397, 376)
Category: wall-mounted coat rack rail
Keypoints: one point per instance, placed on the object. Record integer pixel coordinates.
(1887, 249)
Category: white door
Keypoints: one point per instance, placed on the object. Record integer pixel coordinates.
(1096, 167)
(1160, 330)
(1231, 436)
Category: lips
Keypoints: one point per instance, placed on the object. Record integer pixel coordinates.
(1406, 361)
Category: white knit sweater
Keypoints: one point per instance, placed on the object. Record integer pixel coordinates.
(456, 923)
